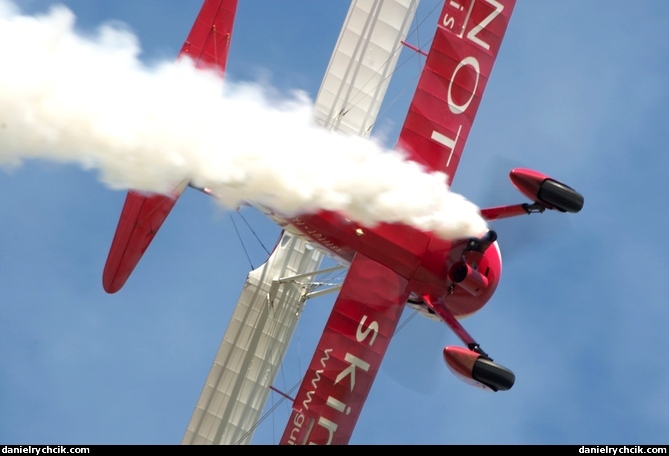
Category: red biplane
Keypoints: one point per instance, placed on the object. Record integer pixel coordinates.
(390, 265)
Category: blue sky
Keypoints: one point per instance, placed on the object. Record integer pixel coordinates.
(578, 92)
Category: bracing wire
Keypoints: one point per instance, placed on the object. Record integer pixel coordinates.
(405, 322)
(268, 413)
(254, 233)
(241, 241)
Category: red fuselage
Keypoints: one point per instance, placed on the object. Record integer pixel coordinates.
(422, 258)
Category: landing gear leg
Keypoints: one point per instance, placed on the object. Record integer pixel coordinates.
(471, 365)
(455, 325)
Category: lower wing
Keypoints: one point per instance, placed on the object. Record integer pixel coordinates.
(348, 355)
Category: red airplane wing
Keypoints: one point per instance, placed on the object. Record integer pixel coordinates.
(449, 91)
(348, 356)
(469, 34)
(207, 44)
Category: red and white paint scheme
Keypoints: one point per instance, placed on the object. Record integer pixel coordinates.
(391, 264)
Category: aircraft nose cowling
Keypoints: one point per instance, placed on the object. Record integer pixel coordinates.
(476, 370)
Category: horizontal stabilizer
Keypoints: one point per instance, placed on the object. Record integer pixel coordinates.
(207, 45)
(140, 219)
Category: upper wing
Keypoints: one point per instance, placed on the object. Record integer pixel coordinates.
(266, 314)
(468, 37)
(362, 64)
(142, 215)
(348, 356)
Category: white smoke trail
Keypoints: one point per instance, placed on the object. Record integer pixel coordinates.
(90, 101)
